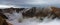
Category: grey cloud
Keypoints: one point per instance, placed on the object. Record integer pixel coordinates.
(29, 3)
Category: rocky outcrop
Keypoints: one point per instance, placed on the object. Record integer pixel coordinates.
(3, 16)
(34, 12)
(29, 13)
(56, 12)
(2, 20)
(11, 10)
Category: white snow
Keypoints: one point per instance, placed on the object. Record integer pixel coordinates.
(31, 21)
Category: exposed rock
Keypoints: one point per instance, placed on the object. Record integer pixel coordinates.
(11, 10)
(30, 12)
(3, 21)
(3, 16)
(56, 12)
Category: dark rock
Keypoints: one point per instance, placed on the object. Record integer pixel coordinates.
(30, 12)
(3, 16)
(3, 21)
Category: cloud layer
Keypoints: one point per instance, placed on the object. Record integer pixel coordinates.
(29, 3)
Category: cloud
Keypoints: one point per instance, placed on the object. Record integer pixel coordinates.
(29, 3)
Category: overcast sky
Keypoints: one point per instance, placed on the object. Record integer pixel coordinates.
(29, 3)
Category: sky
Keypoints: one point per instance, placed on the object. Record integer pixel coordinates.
(30, 3)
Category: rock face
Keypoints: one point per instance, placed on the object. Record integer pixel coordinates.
(2, 20)
(11, 10)
(29, 13)
(56, 12)
(32, 12)
(43, 13)
(3, 16)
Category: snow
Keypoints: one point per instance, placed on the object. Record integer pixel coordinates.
(31, 21)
